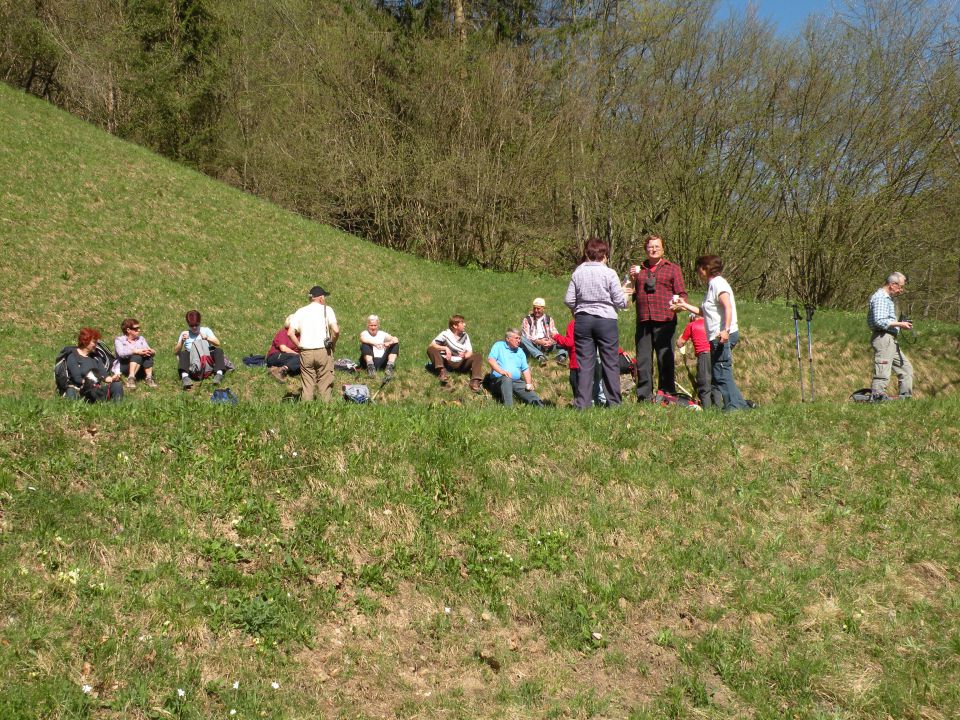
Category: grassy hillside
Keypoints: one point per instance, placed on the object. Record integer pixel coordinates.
(94, 230)
(422, 559)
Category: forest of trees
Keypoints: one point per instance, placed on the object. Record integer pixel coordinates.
(502, 134)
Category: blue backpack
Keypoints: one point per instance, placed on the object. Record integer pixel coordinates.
(359, 394)
(224, 396)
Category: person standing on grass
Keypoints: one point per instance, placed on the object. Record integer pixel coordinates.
(719, 311)
(134, 353)
(538, 331)
(595, 295)
(657, 283)
(567, 343)
(452, 351)
(885, 329)
(314, 328)
(511, 373)
(378, 349)
(696, 331)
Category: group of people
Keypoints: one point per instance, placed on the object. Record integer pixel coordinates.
(306, 343)
(595, 295)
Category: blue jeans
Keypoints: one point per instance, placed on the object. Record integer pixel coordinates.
(722, 359)
(536, 352)
(508, 388)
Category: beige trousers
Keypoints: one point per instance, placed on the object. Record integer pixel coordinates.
(888, 357)
(316, 374)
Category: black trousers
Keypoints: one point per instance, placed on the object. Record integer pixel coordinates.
(655, 337)
(291, 361)
(592, 335)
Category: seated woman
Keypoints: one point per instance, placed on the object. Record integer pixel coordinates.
(378, 349)
(283, 357)
(89, 378)
(134, 353)
(198, 353)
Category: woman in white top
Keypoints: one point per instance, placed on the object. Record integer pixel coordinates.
(719, 311)
(378, 349)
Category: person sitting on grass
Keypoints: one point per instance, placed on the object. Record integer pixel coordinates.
(198, 353)
(88, 377)
(283, 357)
(378, 349)
(696, 331)
(511, 373)
(134, 354)
(538, 331)
(452, 350)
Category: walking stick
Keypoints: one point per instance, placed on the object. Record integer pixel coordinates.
(810, 309)
(796, 331)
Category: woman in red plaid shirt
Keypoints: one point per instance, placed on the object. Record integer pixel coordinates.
(657, 284)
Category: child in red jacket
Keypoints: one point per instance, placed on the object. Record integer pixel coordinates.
(695, 330)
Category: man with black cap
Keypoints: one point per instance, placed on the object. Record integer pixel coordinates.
(316, 331)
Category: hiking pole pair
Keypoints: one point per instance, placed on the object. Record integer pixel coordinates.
(796, 329)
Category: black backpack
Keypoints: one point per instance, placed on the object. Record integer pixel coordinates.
(60, 375)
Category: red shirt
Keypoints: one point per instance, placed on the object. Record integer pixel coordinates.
(282, 338)
(697, 331)
(655, 306)
(566, 342)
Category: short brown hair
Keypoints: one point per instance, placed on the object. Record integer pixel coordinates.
(193, 317)
(86, 335)
(128, 323)
(596, 249)
(455, 320)
(711, 263)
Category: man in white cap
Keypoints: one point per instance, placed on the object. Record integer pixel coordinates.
(315, 329)
(537, 334)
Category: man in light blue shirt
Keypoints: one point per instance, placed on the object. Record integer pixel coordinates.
(511, 373)
(887, 356)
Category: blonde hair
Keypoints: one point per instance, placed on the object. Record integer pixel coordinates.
(373, 318)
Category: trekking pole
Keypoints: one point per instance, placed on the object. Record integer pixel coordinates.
(796, 331)
(810, 309)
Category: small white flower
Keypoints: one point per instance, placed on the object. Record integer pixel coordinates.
(232, 711)
(181, 692)
(446, 610)
(236, 684)
(86, 689)
(275, 685)
(295, 453)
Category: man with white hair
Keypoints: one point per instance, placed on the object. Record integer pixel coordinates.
(536, 338)
(510, 376)
(885, 328)
(378, 349)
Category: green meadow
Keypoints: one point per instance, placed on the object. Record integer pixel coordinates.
(434, 555)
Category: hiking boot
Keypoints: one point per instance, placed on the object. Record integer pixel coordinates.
(186, 382)
(542, 360)
(563, 359)
(371, 372)
(475, 386)
(130, 383)
(278, 373)
(388, 375)
(444, 376)
(218, 377)
(151, 382)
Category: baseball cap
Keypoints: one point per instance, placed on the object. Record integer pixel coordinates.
(317, 291)
(539, 302)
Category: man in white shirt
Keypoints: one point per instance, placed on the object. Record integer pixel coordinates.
(316, 330)
(452, 350)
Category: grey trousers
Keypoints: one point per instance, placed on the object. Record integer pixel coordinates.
(887, 357)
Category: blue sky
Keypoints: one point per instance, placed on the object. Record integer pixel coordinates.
(788, 15)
